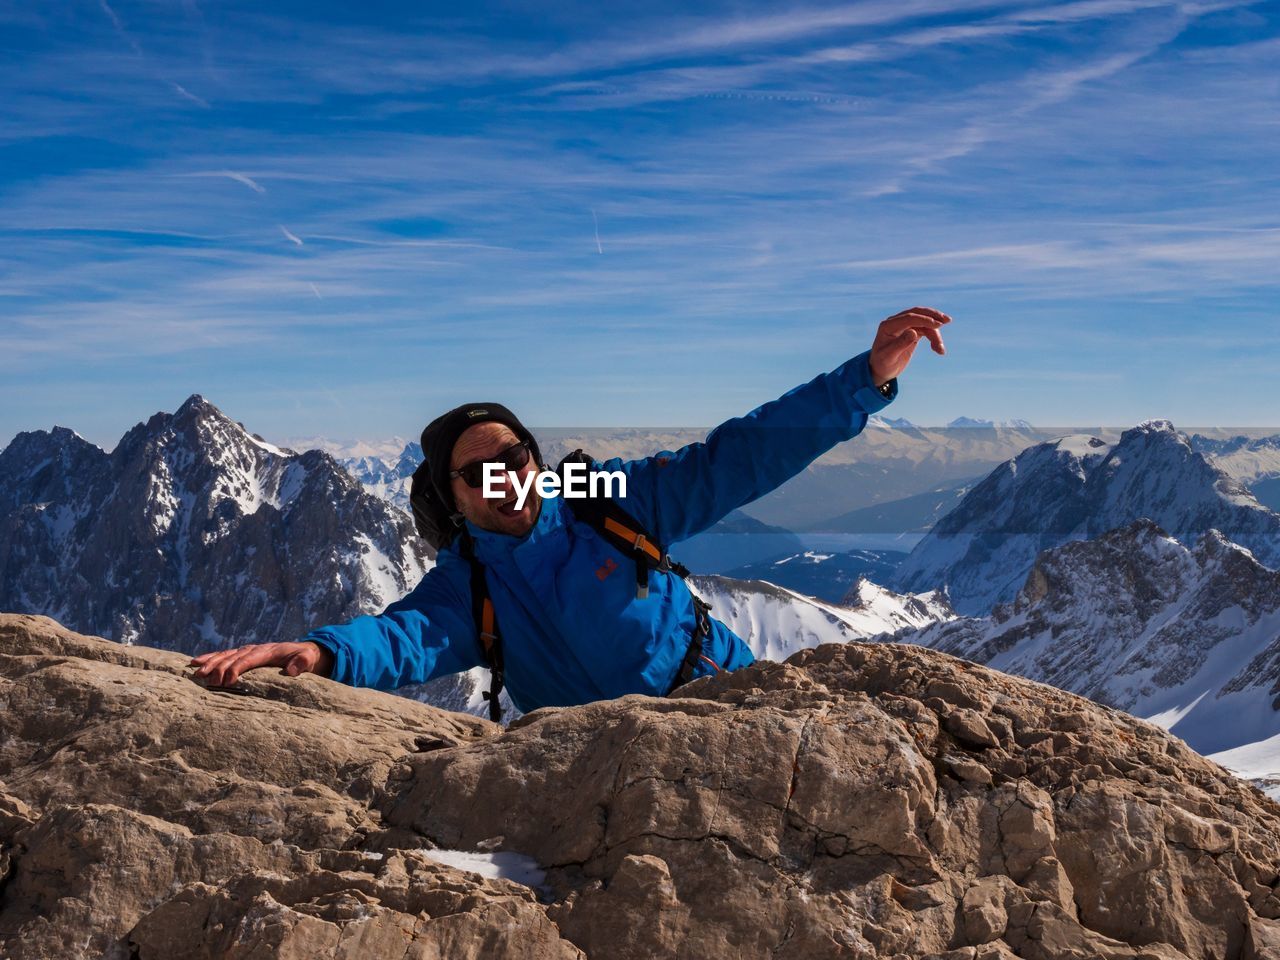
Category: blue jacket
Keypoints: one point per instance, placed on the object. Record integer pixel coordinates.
(572, 627)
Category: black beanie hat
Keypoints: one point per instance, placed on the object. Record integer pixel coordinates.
(442, 433)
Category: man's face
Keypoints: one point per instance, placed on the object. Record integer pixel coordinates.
(484, 442)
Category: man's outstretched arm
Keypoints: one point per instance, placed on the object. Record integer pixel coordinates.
(677, 495)
(427, 634)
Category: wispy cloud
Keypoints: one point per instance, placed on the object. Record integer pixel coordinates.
(136, 47)
(231, 175)
(119, 26)
(182, 91)
(771, 181)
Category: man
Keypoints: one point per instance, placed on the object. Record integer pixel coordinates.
(573, 625)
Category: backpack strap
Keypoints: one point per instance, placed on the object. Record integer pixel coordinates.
(612, 522)
(702, 629)
(486, 626)
(609, 519)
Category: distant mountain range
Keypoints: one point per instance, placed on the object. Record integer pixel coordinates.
(1254, 461)
(193, 528)
(1073, 488)
(890, 460)
(741, 547)
(991, 424)
(914, 514)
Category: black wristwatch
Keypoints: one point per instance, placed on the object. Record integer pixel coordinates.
(886, 389)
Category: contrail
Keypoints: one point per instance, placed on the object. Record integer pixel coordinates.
(314, 290)
(595, 220)
(124, 34)
(184, 92)
(289, 235)
(127, 37)
(241, 178)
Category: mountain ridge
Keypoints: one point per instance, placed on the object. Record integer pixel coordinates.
(1076, 487)
(192, 526)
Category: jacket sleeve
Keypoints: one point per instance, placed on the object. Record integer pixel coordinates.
(428, 633)
(676, 495)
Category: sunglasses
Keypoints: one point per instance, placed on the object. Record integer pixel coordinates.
(512, 458)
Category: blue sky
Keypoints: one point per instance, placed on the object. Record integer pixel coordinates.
(338, 219)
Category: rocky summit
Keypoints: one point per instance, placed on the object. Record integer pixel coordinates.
(856, 801)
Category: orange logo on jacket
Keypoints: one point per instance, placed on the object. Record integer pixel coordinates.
(608, 568)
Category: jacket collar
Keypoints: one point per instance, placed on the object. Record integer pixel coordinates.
(490, 545)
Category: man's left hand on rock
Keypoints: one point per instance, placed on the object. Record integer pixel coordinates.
(222, 668)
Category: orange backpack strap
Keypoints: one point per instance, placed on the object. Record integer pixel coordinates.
(611, 520)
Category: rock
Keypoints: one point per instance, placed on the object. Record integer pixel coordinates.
(1262, 941)
(1026, 826)
(1199, 833)
(1047, 880)
(969, 728)
(984, 915)
(969, 770)
(408, 908)
(294, 759)
(820, 808)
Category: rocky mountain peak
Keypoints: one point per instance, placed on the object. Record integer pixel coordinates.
(1138, 559)
(196, 406)
(195, 527)
(41, 466)
(31, 447)
(858, 800)
(1074, 487)
(1075, 453)
(1154, 426)
(1214, 543)
(1154, 440)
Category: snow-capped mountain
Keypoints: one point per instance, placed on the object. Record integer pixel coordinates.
(387, 477)
(194, 528)
(1248, 459)
(1188, 638)
(776, 622)
(971, 423)
(895, 423)
(387, 450)
(1076, 487)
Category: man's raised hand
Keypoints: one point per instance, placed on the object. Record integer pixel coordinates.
(897, 338)
(222, 668)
